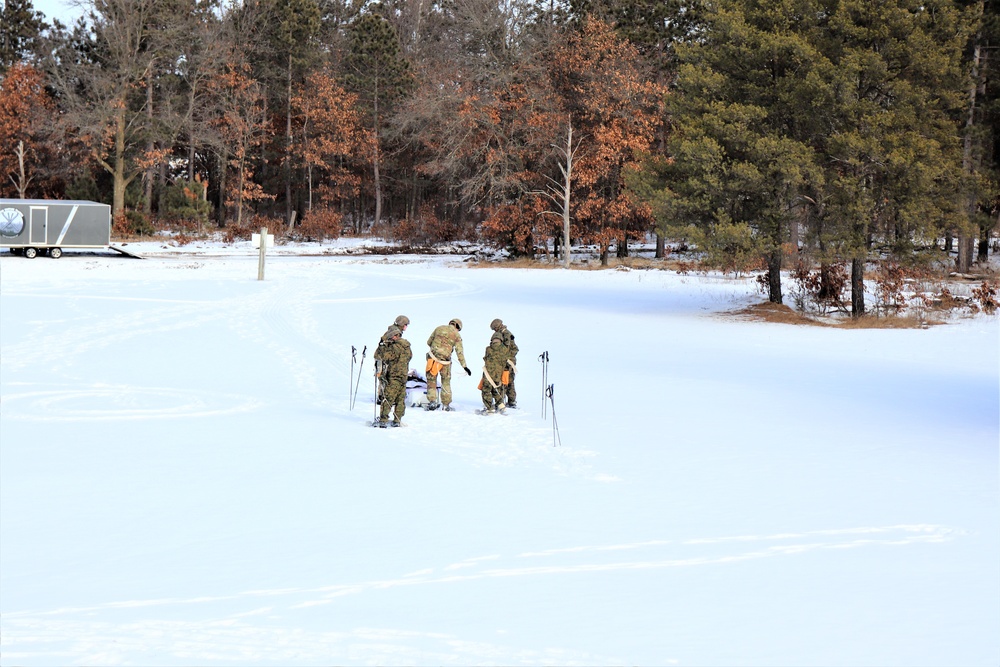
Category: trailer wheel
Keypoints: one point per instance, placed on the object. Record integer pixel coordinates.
(30, 253)
(55, 253)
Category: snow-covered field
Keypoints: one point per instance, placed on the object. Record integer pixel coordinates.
(183, 482)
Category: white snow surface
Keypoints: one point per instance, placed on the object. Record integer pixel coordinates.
(183, 481)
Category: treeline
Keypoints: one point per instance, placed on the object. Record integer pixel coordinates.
(844, 129)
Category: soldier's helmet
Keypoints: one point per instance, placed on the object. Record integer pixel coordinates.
(402, 321)
(457, 323)
(393, 332)
(496, 324)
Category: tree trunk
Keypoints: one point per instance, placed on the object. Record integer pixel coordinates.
(118, 170)
(774, 276)
(857, 287)
(965, 238)
(965, 248)
(221, 213)
(240, 184)
(22, 182)
(377, 158)
(288, 144)
(661, 246)
(309, 182)
(567, 191)
(984, 243)
(622, 250)
(825, 289)
(147, 205)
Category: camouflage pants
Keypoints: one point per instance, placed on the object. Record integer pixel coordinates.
(492, 398)
(394, 396)
(432, 390)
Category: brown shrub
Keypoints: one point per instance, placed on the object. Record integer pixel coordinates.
(986, 297)
(319, 224)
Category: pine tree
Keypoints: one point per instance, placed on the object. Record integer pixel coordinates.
(380, 76)
(892, 157)
(736, 167)
(294, 26)
(20, 30)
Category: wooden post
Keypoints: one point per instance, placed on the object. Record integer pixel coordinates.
(263, 247)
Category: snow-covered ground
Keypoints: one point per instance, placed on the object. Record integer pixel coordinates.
(182, 480)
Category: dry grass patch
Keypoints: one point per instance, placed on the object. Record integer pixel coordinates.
(891, 322)
(777, 313)
(518, 263)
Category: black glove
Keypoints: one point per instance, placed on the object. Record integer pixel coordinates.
(468, 372)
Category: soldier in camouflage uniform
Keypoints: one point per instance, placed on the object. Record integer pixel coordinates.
(396, 357)
(510, 365)
(442, 342)
(493, 365)
(400, 323)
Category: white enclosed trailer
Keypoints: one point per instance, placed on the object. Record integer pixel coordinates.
(31, 227)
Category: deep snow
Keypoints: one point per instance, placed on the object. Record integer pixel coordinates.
(182, 480)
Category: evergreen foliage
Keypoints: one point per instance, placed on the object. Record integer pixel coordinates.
(21, 27)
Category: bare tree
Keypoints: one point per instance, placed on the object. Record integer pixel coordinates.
(100, 73)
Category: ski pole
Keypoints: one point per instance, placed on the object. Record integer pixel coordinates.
(544, 358)
(555, 424)
(350, 385)
(360, 368)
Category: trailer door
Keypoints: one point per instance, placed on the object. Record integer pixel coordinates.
(39, 222)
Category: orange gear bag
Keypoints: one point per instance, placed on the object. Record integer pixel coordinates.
(433, 367)
(505, 377)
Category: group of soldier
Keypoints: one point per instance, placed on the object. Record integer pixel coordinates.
(392, 367)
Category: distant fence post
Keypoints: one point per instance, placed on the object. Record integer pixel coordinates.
(263, 247)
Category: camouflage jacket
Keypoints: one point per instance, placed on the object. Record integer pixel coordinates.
(445, 339)
(382, 343)
(495, 359)
(396, 358)
(508, 342)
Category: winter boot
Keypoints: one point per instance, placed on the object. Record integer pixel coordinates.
(383, 423)
(395, 423)
(448, 408)
(433, 406)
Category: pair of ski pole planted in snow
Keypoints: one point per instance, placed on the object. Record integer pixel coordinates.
(352, 389)
(548, 390)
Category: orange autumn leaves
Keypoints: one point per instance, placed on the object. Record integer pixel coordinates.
(594, 81)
